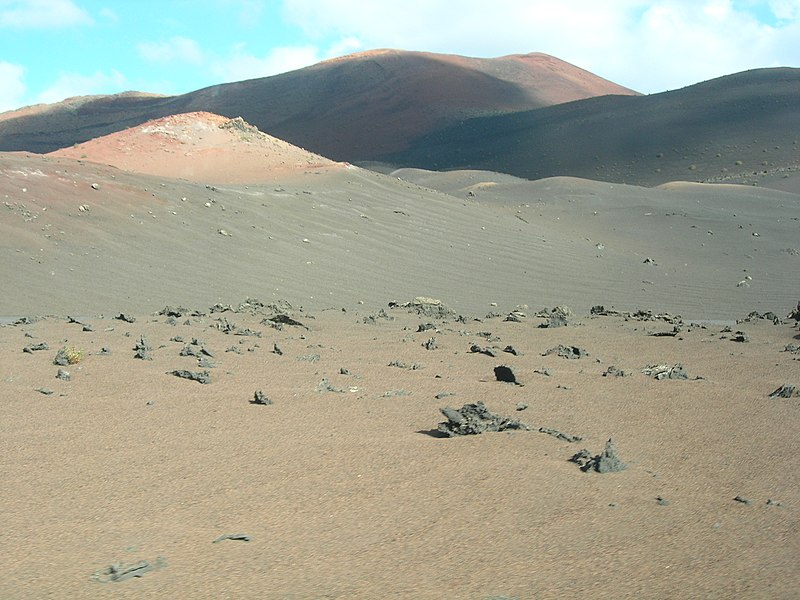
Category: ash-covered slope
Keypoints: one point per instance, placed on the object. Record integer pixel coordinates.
(735, 128)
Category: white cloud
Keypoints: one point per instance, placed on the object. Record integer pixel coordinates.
(12, 86)
(74, 84)
(344, 46)
(243, 65)
(42, 14)
(176, 49)
(786, 10)
(109, 15)
(647, 45)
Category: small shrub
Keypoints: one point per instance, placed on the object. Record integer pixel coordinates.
(71, 354)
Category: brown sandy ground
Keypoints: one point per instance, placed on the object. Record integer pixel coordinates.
(349, 495)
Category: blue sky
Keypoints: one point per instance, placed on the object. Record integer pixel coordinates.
(52, 49)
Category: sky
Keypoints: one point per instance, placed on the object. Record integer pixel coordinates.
(54, 49)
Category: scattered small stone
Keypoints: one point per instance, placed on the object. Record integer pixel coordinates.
(401, 365)
(568, 352)
(283, 319)
(326, 386)
(430, 344)
(600, 311)
(742, 500)
(374, 318)
(45, 391)
(795, 313)
(666, 371)
(475, 349)
(393, 393)
(63, 375)
(661, 501)
(676, 329)
(126, 318)
(607, 462)
(740, 336)
(427, 307)
(512, 350)
(755, 316)
(62, 358)
(30, 349)
(234, 349)
(793, 348)
(472, 419)
(554, 321)
(240, 537)
(312, 358)
(260, 397)
(614, 371)
(543, 371)
(198, 376)
(87, 328)
(442, 395)
(188, 350)
(142, 349)
(177, 312)
(277, 349)
(771, 502)
(344, 371)
(205, 363)
(516, 316)
(566, 437)
(426, 327)
(121, 572)
(785, 391)
(506, 374)
(521, 406)
(104, 351)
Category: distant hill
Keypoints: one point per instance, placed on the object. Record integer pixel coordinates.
(351, 108)
(197, 146)
(736, 128)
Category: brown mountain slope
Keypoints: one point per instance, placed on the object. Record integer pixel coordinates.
(347, 109)
(740, 128)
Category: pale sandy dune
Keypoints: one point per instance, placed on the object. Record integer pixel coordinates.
(332, 237)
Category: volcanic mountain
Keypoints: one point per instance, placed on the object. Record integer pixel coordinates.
(350, 108)
(740, 128)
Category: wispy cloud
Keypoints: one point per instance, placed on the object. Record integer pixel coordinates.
(75, 84)
(785, 10)
(243, 65)
(42, 14)
(176, 49)
(12, 86)
(648, 45)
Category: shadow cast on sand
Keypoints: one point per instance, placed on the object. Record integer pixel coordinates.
(434, 433)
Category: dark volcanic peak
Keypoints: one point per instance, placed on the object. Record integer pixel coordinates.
(352, 108)
(734, 128)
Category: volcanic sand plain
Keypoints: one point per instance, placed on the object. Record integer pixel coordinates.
(301, 284)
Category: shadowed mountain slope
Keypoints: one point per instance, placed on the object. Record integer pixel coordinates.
(351, 108)
(736, 128)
